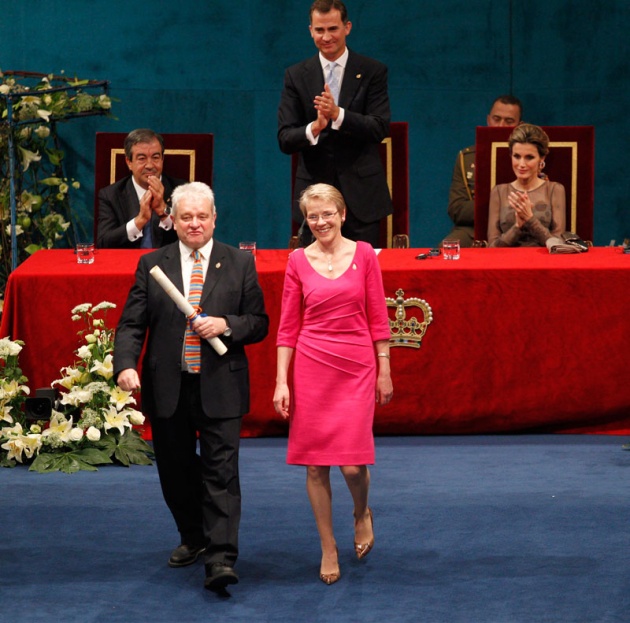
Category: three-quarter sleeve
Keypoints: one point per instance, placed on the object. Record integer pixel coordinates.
(292, 306)
(376, 307)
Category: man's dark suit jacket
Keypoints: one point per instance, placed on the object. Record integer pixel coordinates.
(231, 289)
(347, 158)
(117, 204)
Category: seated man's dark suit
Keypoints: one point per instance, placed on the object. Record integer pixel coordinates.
(203, 494)
(118, 204)
(347, 158)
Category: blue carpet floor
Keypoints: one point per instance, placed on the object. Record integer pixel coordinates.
(505, 529)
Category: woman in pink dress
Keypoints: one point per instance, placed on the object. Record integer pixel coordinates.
(334, 319)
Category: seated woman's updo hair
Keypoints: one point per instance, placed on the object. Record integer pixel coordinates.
(532, 134)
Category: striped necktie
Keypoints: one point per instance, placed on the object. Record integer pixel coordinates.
(192, 348)
(332, 80)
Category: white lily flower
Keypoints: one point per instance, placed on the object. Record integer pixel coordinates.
(28, 157)
(59, 426)
(119, 398)
(13, 431)
(114, 419)
(14, 447)
(32, 444)
(104, 368)
(6, 415)
(76, 397)
(72, 377)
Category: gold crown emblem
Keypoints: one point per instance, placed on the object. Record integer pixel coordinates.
(408, 332)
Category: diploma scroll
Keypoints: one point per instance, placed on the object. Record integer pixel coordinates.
(183, 305)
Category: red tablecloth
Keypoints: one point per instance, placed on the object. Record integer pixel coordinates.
(520, 339)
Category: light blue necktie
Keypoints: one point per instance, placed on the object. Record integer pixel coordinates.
(332, 80)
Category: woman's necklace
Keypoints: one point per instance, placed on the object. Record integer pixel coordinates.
(537, 183)
(328, 259)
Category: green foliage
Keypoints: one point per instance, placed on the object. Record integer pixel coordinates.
(92, 422)
(31, 105)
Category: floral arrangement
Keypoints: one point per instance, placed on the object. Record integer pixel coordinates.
(31, 104)
(91, 424)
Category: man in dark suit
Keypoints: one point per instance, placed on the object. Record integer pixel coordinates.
(133, 212)
(183, 398)
(337, 135)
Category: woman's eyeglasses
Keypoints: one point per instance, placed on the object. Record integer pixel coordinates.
(327, 216)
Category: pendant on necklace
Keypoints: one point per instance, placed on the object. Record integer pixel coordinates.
(330, 268)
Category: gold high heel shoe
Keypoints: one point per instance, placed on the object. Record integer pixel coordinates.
(331, 578)
(363, 549)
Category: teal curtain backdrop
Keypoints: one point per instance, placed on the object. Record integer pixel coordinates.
(217, 66)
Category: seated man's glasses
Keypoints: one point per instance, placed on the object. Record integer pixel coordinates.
(327, 216)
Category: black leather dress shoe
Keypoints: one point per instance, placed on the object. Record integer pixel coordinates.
(185, 555)
(218, 576)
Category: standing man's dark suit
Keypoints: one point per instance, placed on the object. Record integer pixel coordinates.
(348, 157)
(117, 204)
(202, 492)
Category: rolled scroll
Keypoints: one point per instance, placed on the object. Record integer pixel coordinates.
(183, 305)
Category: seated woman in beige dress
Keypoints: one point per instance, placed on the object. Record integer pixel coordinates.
(531, 209)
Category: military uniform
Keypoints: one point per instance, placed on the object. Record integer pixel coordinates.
(461, 198)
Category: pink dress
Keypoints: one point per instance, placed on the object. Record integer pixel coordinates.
(332, 324)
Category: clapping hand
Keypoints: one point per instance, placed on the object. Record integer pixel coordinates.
(522, 206)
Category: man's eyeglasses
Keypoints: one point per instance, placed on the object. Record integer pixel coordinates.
(327, 216)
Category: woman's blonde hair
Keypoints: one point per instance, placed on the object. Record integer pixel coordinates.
(323, 192)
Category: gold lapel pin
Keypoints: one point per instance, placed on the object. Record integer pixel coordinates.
(218, 265)
(358, 76)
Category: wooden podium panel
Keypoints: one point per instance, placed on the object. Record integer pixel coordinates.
(571, 161)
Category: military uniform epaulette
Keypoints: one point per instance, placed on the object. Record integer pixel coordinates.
(467, 164)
